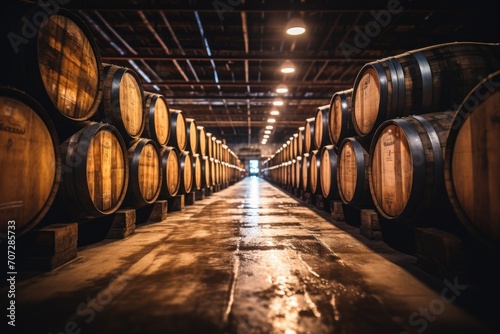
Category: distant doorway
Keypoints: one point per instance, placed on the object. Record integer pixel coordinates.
(254, 167)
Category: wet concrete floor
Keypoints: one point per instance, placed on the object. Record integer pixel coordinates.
(247, 259)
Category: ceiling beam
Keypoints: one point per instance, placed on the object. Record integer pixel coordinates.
(249, 57)
(245, 97)
(222, 6)
(324, 84)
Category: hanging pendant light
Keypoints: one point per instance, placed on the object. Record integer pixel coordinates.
(296, 26)
(287, 67)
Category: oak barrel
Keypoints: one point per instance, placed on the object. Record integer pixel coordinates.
(309, 135)
(305, 174)
(340, 117)
(59, 65)
(295, 142)
(157, 123)
(314, 172)
(300, 141)
(297, 171)
(406, 171)
(123, 101)
(30, 161)
(145, 181)
(472, 162)
(426, 80)
(170, 172)
(206, 180)
(213, 172)
(178, 132)
(186, 175)
(191, 136)
(210, 152)
(197, 170)
(321, 127)
(95, 172)
(202, 140)
(328, 172)
(352, 174)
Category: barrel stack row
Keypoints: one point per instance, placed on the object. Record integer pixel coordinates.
(82, 138)
(414, 139)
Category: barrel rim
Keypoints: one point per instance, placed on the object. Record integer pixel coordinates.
(31, 102)
(383, 87)
(415, 148)
(174, 115)
(164, 159)
(34, 84)
(344, 103)
(357, 197)
(114, 89)
(90, 210)
(86, 30)
(134, 194)
(462, 114)
(150, 100)
(333, 159)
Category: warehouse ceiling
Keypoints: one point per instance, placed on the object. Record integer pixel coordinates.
(219, 60)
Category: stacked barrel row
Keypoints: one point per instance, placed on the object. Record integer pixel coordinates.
(414, 139)
(82, 138)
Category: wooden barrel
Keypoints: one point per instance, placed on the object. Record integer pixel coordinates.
(178, 132)
(340, 117)
(225, 153)
(197, 170)
(170, 172)
(352, 174)
(298, 172)
(472, 163)
(217, 175)
(321, 128)
(30, 161)
(305, 175)
(300, 141)
(294, 139)
(210, 152)
(218, 152)
(59, 65)
(314, 172)
(309, 135)
(406, 166)
(145, 181)
(95, 172)
(421, 81)
(213, 172)
(191, 136)
(206, 180)
(202, 141)
(157, 124)
(186, 175)
(328, 172)
(123, 101)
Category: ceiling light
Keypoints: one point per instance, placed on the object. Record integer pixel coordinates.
(296, 26)
(265, 136)
(267, 132)
(271, 120)
(287, 67)
(275, 112)
(281, 89)
(269, 127)
(278, 102)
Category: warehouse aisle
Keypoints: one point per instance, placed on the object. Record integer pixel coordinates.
(247, 259)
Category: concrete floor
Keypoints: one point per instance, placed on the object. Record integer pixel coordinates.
(248, 259)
